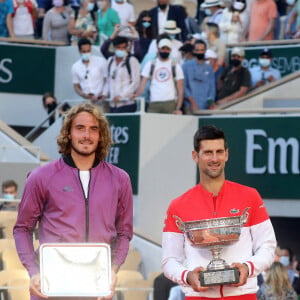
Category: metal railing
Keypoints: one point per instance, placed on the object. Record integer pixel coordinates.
(56, 113)
(31, 150)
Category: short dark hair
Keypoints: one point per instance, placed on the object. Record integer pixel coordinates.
(120, 40)
(161, 37)
(208, 132)
(201, 42)
(9, 183)
(83, 41)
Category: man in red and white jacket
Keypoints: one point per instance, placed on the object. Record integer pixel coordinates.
(215, 197)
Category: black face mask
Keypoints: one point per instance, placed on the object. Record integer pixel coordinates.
(162, 6)
(164, 55)
(235, 62)
(199, 55)
(51, 106)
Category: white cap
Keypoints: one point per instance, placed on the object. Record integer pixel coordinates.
(210, 3)
(238, 51)
(165, 43)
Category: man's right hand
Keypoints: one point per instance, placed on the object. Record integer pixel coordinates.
(193, 280)
(35, 286)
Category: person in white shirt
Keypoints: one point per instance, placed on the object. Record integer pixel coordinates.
(213, 11)
(264, 73)
(166, 82)
(89, 74)
(123, 77)
(125, 11)
(23, 18)
(172, 31)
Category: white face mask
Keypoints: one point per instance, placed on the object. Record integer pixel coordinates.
(58, 3)
(264, 62)
(285, 260)
(238, 5)
(101, 4)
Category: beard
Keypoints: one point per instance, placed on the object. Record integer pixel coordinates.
(83, 152)
(214, 174)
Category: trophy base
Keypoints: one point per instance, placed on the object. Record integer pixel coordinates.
(219, 277)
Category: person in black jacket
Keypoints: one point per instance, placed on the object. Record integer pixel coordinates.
(174, 12)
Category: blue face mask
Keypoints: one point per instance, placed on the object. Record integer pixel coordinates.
(172, 36)
(285, 260)
(86, 56)
(120, 53)
(207, 11)
(8, 196)
(90, 6)
(146, 24)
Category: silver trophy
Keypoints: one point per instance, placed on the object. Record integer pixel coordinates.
(214, 234)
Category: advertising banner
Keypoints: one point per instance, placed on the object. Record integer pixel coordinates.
(26, 69)
(124, 152)
(264, 153)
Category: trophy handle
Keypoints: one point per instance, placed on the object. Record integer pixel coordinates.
(179, 223)
(244, 216)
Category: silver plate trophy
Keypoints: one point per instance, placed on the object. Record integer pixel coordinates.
(75, 269)
(214, 234)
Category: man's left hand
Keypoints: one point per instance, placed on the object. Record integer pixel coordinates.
(244, 272)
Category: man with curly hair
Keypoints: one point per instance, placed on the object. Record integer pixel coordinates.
(79, 198)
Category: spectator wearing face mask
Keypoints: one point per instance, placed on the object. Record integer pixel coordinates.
(89, 74)
(50, 104)
(9, 192)
(213, 12)
(166, 81)
(234, 22)
(172, 31)
(264, 73)
(276, 285)
(288, 259)
(107, 19)
(235, 80)
(82, 22)
(25, 12)
(198, 76)
(56, 22)
(145, 29)
(123, 77)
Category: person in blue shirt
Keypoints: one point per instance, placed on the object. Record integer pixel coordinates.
(6, 23)
(199, 81)
(264, 73)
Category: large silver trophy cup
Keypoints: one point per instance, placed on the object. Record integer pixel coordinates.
(214, 234)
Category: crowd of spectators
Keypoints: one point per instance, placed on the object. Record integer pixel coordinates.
(194, 46)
